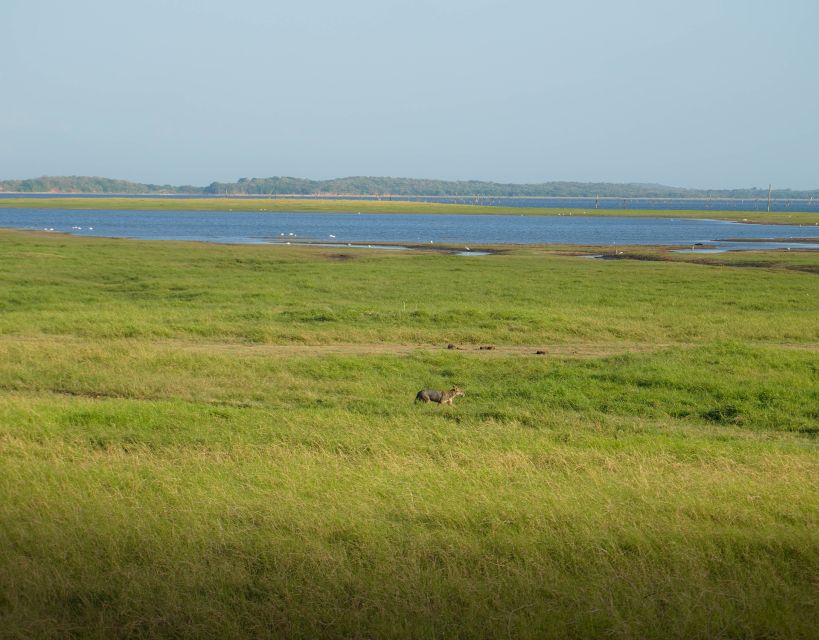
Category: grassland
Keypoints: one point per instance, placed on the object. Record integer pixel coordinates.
(201, 440)
(391, 206)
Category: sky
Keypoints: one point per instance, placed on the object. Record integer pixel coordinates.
(695, 93)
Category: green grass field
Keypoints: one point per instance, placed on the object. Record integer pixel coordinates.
(387, 206)
(221, 441)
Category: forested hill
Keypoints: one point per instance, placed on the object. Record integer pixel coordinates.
(86, 184)
(369, 186)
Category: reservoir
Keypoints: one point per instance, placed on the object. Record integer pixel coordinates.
(405, 229)
(562, 202)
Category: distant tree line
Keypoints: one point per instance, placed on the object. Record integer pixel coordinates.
(87, 184)
(373, 186)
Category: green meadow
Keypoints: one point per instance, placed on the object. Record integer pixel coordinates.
(385, 206)
(221, 441)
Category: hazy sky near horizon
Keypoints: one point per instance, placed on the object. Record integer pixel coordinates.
(697, 93)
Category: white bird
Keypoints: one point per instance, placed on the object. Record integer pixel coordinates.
(332, 236)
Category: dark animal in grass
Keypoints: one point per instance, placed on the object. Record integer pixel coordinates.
(441, 397)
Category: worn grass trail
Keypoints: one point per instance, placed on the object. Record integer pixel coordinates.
(221, 441)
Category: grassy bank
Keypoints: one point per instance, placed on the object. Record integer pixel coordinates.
(370, 206)
(201, 440)
(93, 288)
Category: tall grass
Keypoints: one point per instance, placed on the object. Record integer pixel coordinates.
(167, 471)
(120, 288)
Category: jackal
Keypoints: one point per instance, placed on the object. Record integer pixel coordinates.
(441, 397)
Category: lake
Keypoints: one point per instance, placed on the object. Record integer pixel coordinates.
(342, 228)
(666, 204)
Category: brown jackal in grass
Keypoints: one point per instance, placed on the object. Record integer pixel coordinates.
(441, 397)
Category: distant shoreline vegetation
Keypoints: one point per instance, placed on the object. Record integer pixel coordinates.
(379, 186)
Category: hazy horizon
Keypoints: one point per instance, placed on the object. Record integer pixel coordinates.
(689, 95)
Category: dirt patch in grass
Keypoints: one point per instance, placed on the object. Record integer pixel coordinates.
(339, 257)
(574, 349)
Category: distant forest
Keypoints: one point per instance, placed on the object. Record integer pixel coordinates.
(369, 186)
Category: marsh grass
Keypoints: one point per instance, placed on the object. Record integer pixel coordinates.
(259, 294)
(165, 474)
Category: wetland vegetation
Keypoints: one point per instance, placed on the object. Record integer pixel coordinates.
(202, 439)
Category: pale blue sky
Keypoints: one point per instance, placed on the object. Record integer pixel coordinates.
(695, 93)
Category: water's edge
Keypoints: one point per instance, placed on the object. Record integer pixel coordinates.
(458, 231)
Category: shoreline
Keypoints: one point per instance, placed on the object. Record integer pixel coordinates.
(474, 249)
(267, 205)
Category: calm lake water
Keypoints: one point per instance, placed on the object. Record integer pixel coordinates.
(341, 228)
(665, 204)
